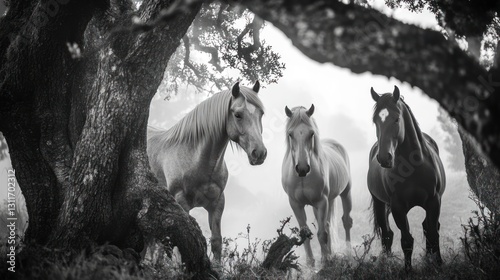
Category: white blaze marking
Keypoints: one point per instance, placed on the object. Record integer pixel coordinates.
(250, 107)
(383, 114)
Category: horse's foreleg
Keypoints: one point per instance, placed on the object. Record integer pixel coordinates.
(345, 196)
(431, 229)
(180, 198)
(324, 234)
(215, 211)
(399, 211)
(300, 215)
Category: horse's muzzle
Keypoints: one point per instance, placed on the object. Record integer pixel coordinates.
(302, 172)
(386, 162)
(257, 157)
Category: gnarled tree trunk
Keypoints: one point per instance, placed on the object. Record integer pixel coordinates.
(483, 176)
(75, 90)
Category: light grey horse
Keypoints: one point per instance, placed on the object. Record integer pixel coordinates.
(189, 157)
(315, 172)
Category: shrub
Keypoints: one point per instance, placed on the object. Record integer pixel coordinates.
(481, 241)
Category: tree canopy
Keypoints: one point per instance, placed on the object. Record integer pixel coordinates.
(222, 40)
(466, 18)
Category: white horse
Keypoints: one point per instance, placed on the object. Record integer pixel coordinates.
(188, 159)
(314, 173)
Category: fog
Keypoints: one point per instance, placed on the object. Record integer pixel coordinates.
(344, 108)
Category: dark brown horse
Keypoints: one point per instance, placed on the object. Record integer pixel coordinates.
(405, 171)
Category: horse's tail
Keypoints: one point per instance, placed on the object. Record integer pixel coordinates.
(376, 226)
(377, 229)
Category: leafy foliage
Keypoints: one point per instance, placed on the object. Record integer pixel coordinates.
(477, 22)
(481, 241)
(222, 45)
(465, 17)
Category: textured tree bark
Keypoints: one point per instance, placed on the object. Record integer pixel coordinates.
(483, 177)
(76, 124)
(363, 39)
(280, 255)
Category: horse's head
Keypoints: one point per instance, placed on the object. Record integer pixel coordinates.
(387, 117)
(244, 125)
(301, 132)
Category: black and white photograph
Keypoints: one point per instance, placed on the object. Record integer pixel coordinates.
(267, 139)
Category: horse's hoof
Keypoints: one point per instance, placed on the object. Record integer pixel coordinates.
(439, 260)
(408, 269)
(435, 258)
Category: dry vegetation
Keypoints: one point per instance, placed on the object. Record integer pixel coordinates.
(478, 258)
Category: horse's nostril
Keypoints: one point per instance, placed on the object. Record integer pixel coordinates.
(297, 168)
(389, 157)
(308, 168)
(265, 153)
(254, 153)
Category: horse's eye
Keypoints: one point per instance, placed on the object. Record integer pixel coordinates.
(397, 120)
(237, 115)
(312, 135)
(290, 135)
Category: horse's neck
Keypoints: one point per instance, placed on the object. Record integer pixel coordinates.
(212, 150)
(413, 142)
(320, 157)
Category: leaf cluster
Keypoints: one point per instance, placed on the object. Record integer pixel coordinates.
(465, 17)
(223, 45)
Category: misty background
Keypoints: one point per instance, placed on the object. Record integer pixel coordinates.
(254, 195)
(344, 108)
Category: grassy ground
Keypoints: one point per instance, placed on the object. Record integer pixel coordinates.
(110, 263)
(478, 258)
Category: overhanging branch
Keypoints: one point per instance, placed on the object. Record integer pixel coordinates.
(187, 62)
(365, 40)
(253, 27)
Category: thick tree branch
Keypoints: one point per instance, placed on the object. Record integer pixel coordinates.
(187, 62)
(214, 55)
(218, 21)
(143, 24)
(363, 39)
(253, 27)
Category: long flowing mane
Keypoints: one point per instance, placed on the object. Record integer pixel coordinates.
(386, 101)
(206, 121)
(299, 116)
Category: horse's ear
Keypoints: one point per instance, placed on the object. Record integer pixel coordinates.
(396, 94)
(288, 112)
(236, 89)
(256, 86)
(375, 95)
(310, 111)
